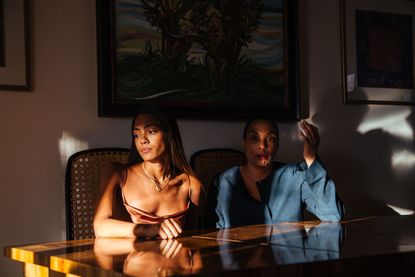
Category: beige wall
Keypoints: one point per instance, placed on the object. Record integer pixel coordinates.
(63, 108)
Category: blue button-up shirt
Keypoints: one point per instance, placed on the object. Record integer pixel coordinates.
(288, 190)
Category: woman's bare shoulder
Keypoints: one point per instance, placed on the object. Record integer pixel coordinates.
(194, 180)
(188, 178)
(195, 189)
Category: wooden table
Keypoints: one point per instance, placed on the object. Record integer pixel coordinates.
(377, 246)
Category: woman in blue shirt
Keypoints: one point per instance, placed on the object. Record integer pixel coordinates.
(266, 192)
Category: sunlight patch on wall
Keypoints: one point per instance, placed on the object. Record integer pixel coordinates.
(400, 210)
(403, 159)
(68, 145)
(389, 119)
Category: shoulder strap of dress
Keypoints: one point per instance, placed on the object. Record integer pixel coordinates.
(190, 188)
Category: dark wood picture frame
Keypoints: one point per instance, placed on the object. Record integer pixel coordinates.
(109, 74)
(15, 39)
(374, 72)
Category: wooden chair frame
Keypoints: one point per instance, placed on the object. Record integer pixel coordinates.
(82, 187)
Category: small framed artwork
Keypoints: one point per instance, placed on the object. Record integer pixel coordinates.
(14, 45)
(199, 59)
(378, 51)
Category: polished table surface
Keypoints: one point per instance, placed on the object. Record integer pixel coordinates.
(374, 246)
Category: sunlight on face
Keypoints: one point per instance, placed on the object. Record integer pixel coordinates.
(149, 138)
(260, 143)
(389, 119)
(69, 145)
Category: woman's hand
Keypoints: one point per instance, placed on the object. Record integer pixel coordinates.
(169, 229)
(170, 248)
(309, 134)
(162, 258)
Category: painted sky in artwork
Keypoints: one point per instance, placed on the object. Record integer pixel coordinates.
(133, 30)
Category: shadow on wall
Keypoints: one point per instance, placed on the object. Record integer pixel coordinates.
(361, 162)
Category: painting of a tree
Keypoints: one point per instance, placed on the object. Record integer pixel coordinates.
(200, 53)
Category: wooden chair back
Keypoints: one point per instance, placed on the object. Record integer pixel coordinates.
(82, 188)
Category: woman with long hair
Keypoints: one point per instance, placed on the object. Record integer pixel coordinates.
(158, 187)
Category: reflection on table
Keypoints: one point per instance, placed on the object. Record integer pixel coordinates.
(286, 244)
(368, 246)
(252, 246)
(163, 257)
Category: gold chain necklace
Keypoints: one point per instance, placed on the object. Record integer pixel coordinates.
(158, 185)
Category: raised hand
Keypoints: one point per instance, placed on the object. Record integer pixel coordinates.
(309, 134)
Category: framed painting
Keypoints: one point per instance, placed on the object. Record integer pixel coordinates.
(199, 59)
(378, 51)
(14, 45)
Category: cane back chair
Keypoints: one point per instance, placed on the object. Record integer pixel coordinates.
(82, 187)
(209, 162)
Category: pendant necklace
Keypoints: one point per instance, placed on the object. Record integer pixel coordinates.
(159, 185)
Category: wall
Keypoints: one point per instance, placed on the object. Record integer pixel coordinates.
(369, 149)
(63, 108)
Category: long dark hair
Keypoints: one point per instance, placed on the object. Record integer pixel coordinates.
(177, 162)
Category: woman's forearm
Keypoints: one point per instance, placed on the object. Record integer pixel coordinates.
(113, 228)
